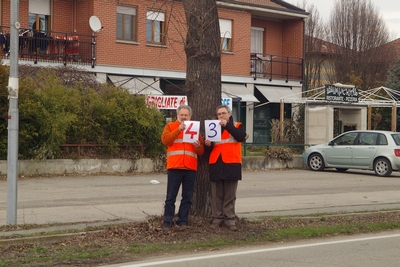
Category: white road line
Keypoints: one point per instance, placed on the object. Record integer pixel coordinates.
(257, 251)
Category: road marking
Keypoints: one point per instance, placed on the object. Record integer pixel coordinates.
(255, 251)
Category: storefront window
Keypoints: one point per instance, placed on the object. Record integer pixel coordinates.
(261, 133)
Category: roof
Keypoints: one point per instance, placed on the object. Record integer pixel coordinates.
(275, 9)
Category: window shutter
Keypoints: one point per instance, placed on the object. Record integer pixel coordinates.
(225, 27)
(155, 15)
(41, 7)
(126, 10)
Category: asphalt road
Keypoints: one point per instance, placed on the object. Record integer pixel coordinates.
(362, 250)
(132, 198)
(89, 199)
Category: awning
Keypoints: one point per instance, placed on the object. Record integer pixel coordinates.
(137, 85)
(238, 91)
(274, 94)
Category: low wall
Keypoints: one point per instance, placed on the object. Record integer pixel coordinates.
(263, 163)
(65, 166)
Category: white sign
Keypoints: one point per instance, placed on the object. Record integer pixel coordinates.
(213, 130)
(166, 101)
(227, 101)
(191, 132)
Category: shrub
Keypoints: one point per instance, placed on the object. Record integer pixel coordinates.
(47, 110)
(3, 110)
(282, 153)
(58, 107)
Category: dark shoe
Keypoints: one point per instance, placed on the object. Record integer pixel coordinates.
(232, 228)
(214, 226)
(168, 225)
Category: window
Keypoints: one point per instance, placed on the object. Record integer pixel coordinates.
(383, 141)
(155, 27)
(346, 139)
(368, 139)
(396, 138)
(225, 27)
(257, 40)
(126, 23)
(39, 15)
(39, 24)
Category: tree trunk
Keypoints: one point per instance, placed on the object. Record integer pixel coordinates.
(203, 82)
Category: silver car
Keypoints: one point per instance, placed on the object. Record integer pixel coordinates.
(361, 149)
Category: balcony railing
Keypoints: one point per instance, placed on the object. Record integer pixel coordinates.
(276, 67)
(50, 46)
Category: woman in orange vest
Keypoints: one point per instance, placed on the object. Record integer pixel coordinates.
(225, 166)
(181, 166)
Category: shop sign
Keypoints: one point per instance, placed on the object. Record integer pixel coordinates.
(227, 101)
(166, 101)
(338, 93)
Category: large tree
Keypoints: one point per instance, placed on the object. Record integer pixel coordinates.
(393, 82)
(203, 80)
(359, 35)
(393, 78)
(314, 47)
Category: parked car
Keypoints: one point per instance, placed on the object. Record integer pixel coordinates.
(361, 149)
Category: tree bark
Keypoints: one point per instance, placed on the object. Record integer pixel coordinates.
(203, 82)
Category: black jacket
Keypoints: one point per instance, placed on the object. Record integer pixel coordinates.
(229, 171)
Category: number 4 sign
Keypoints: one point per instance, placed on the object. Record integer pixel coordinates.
(213, 130)
(191, 132)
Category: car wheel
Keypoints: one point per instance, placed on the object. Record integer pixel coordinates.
(316, 162)
(382, 167)
(341, 169)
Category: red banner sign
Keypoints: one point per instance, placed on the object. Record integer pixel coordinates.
(166, 101)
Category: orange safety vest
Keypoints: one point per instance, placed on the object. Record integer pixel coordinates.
(228, 148)
(181, 155)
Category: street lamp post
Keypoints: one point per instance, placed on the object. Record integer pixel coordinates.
(13, 117)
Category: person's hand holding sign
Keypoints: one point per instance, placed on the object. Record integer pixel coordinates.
(182, 126)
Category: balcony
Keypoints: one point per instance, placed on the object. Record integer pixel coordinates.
(50, 46)
(276, 67)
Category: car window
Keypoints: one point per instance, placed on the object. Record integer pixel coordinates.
(345, 139)
(382, 140)
(368, 139)
(396, 138)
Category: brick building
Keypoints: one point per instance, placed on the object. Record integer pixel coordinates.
(138, 44)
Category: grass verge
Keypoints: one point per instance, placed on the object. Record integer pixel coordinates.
(142, 240)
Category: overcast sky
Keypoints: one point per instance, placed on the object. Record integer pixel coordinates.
(389, 9)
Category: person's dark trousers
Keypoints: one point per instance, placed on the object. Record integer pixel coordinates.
(177, 177)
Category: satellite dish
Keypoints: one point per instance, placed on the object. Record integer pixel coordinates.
(95, 24)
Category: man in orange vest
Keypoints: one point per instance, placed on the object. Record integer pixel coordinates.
(225, 166)
(181, 166)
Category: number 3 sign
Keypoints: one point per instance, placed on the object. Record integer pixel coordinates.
(191, 132)
(213, 130)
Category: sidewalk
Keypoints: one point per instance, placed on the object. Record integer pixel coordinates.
(99, 200)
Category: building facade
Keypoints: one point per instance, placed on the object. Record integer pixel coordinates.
(138, 44)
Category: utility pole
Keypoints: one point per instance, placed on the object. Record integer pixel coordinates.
(13, 116)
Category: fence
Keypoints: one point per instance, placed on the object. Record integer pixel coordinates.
(276, 67)
(296, 147)
(50, 46)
